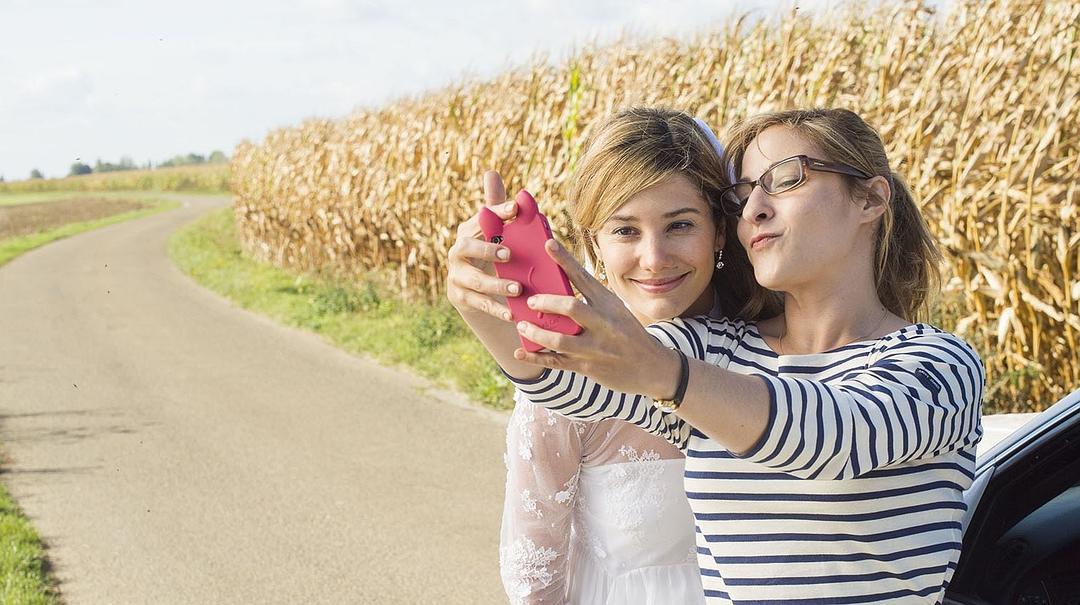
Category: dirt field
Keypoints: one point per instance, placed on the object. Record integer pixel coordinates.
(24, 219)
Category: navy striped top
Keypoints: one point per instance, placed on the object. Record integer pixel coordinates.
(854, 492)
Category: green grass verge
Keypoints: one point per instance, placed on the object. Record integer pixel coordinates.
(23, 576)
(357, 317)
(12, 247)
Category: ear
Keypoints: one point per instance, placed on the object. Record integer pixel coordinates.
(880, 193)
(591, 243)
(589, 239)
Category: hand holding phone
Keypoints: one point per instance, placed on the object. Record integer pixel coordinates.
(529, 265)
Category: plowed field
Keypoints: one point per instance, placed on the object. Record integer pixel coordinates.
(24, 219)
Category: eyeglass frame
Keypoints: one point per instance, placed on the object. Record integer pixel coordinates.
(805, 163)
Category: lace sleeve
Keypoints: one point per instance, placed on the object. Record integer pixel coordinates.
(543, 456)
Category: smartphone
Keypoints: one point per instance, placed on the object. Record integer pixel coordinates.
(529, 265)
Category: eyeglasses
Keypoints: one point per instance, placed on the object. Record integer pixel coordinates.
(782, 176)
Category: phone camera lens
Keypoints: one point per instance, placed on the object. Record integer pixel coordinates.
(497, 239)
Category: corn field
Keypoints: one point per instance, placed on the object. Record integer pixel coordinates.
(978, 108)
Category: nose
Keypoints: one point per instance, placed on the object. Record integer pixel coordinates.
(653, 254)
(758, 207)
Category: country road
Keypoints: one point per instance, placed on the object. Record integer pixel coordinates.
(173, 448)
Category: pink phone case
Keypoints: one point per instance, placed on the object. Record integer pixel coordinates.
(529, 265)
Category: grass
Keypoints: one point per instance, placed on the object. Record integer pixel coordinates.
(362, 318)
(23, 575)
(13, 247)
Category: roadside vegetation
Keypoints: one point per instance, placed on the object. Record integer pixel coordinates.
(31, 220)
(24, 577)
(201, 178)
(366, 316)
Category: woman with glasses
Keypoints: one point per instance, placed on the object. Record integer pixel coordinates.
(828, 447)
(594, 511)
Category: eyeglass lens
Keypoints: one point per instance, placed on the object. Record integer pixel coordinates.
(778, 179)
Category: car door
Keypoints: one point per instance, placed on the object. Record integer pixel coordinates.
(1022, 531)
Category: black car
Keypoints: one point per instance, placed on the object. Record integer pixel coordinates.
(1022, 529)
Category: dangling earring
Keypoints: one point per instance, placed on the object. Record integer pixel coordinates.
(720, 259)
(601, 274)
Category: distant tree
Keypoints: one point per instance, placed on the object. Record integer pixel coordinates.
(183, 160)
(79, 168)
(35, 174)
(217, 157)
(126, 163)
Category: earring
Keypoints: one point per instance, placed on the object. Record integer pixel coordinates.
(719, 259)
(601, 274)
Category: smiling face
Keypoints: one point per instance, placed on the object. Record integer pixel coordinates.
(808, 235)
(659, 251)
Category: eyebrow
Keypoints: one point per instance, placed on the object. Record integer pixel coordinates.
(629, 219)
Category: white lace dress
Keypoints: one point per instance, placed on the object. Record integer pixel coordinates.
(594, 514)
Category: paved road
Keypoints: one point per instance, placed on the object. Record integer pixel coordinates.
(172, 448)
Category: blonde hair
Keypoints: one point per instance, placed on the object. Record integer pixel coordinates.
(637, 149)
(907, 260)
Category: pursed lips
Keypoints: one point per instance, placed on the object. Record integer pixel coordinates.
(761, 240)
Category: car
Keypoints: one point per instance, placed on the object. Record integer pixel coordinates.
(1021, 540)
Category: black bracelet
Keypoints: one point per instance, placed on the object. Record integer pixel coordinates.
(671, 405)
(684, 377)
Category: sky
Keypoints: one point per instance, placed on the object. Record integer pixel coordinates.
(81, 80)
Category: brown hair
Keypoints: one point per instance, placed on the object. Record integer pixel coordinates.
(907, 260)
(637, 149)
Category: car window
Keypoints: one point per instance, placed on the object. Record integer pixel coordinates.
(1023, 541)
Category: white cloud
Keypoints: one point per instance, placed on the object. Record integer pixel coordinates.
(61, 92)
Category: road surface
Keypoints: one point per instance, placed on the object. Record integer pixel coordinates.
(173, 448)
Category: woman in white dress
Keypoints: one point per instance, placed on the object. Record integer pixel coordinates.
(595, 511)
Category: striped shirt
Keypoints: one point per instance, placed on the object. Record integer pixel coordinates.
(854, 492)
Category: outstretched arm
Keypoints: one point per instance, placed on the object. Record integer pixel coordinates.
(917, 398)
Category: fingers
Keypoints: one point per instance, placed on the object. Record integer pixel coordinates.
(571, 307)
(467, 298)
(472, 249)
(465, 275)
(556, 341)
(505, 211)
(471, 227)
(548, 359)
(468, 277)
(585, 283)
(494, 190)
